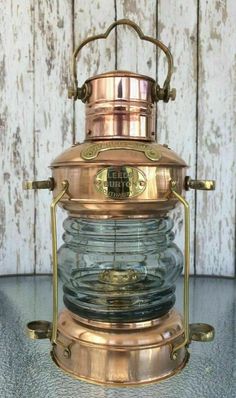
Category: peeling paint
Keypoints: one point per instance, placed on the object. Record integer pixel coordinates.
(60, 23)
(221, 7)
(2, 72)
(2, 224)
(149, 63)
(16, 151)
(214, 35)
(108, 54)
(130, 7)
(6, 177)
(65, 127)
(51, 56)
(18, 206)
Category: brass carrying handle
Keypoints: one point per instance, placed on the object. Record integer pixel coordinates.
(159, 93)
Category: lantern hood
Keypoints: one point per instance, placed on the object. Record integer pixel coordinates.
(119, 158)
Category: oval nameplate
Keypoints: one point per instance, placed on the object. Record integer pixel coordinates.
(120, 182)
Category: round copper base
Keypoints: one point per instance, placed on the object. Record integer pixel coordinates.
(119, 354)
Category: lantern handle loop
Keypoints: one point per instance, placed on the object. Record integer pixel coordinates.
(65, 186)
(186, 340)
(159, 93)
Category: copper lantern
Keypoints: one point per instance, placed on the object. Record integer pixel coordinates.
(119, 262)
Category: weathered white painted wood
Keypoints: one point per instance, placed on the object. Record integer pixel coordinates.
(53, 110)
(176, 121)
(216, 137)
(92, 18)
(16, 137)
(36, 119)
(133, 54)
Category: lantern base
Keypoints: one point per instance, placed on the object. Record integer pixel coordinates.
(120, 354)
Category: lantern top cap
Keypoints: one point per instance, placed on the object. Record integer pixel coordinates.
(121, 73)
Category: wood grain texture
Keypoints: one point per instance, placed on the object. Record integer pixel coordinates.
(176, 121)
(134, 54)
(53, 111)
(90, 19)
(16, 137)
(216, 137)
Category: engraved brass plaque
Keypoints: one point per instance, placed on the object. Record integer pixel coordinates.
(92, 151)
(120, 182)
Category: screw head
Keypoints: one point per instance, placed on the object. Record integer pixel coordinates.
(66, 353)
(175, 356)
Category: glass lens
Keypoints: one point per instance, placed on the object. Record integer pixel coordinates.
(119, 271)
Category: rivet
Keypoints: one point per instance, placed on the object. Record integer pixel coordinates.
(66, 353)
(174, 356)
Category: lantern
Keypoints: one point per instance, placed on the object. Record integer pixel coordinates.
(119, 262)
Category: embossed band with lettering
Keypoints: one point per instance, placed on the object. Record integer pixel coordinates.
(92, 151)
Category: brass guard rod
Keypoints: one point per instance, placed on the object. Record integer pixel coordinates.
(53, 206)
(186, 267)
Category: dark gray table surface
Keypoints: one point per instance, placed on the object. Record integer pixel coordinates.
(26, 369)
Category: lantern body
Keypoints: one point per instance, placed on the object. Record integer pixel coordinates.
(119, 262)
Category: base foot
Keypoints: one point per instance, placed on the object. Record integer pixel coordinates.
(121, 354)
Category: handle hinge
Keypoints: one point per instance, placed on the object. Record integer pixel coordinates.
(163, 94)
(83, 93)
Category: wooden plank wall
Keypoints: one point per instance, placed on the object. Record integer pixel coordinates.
(16, 136)
(37, 121)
